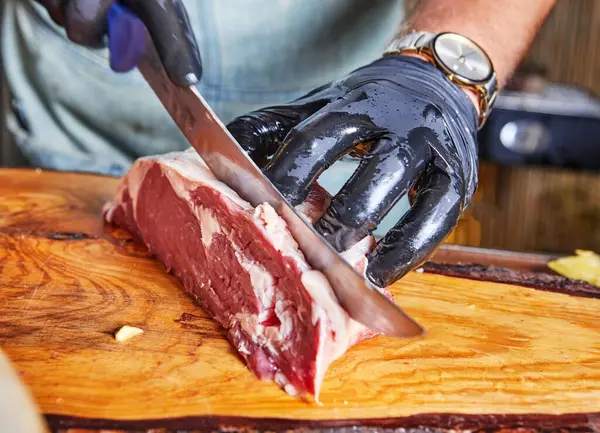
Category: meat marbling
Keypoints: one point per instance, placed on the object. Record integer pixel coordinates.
(242, 265)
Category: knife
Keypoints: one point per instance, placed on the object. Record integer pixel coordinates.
(230, 164)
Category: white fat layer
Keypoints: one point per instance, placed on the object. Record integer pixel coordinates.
(262, 283)
(109, 210)
(251, 326)
(243, 348)
(325, 301)
(110, 207)
(190, 166)
(275, 229)
(134, 182)
(329, 314)
(267, 337)
(324, 308)
(283, 314)
(209, 225)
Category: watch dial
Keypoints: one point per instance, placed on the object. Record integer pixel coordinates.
(462, 57)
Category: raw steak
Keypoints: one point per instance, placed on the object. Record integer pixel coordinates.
(242, 265)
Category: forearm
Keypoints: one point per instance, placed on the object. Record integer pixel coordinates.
(504, 29)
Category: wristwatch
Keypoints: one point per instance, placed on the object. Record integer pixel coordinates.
(459, 58)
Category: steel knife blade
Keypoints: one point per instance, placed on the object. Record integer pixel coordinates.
(231, 165)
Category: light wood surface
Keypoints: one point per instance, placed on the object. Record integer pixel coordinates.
(67, 282)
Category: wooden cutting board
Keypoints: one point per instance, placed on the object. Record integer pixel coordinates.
(497, 355)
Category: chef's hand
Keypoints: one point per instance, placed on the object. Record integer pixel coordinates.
(416, 132)
(88, 21)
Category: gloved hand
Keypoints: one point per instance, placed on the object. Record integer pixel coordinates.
(88, 21)
(415, 130)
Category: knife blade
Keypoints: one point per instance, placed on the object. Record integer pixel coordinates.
(230, 164)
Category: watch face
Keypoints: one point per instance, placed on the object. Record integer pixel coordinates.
(462, 57)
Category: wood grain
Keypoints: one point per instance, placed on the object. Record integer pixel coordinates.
(535, 209)
(67, 282)
(566, 46)
(539, 281)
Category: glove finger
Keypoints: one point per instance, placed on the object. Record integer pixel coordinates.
(85, 21)
(261, 132)
(314, 145)
(413, 240)
(384, 175)
(169, 26)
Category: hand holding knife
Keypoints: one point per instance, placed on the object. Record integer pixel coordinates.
(87, 23)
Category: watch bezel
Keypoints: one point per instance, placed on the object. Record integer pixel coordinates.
(457, 76)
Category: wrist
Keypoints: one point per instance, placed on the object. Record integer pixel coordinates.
(504, 30)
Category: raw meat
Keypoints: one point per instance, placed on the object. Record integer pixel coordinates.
(242, 265)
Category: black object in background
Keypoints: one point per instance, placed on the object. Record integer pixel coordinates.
(557, 126)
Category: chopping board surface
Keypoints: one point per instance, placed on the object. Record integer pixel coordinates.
(68, 281)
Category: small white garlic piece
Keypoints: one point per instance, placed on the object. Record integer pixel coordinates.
(126, 332)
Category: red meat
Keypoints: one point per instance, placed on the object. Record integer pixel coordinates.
(243, 266)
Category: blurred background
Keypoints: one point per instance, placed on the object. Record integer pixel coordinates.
(540, 150)
(539, 185)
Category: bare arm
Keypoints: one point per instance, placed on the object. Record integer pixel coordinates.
(504, 29)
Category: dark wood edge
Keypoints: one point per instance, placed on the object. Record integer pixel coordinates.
(585, 422)
(460, 254)
(546, 281)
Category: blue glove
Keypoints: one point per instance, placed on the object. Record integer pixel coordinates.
(88, 22)
(126, 38)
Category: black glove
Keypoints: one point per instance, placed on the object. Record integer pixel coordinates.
(415, 130)
(86, 22)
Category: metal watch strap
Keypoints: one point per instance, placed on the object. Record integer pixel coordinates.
(410, 42)
(420, 43)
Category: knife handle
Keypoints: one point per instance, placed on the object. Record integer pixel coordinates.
(130, 22)
(126, 38)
